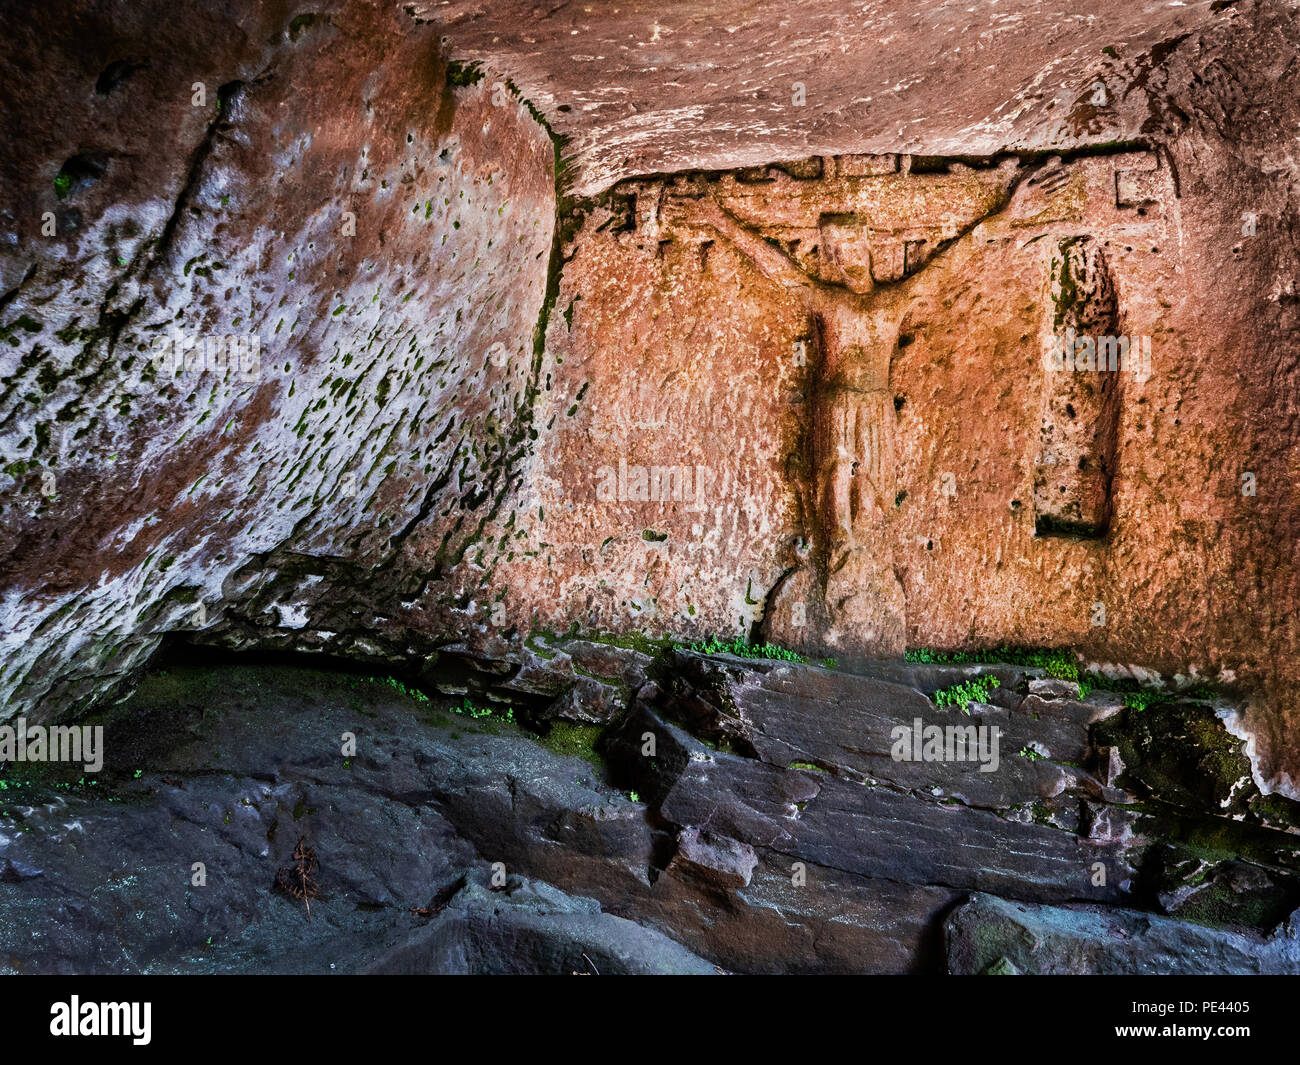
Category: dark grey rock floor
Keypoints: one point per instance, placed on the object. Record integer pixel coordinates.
(769, 830)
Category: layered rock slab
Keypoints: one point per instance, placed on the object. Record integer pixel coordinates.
(100, 882)
(459, 842)
(991, 935)
(777, 80)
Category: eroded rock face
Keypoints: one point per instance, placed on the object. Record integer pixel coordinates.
(779, 370)
(839, 432)
(735, 815)
(255, 352)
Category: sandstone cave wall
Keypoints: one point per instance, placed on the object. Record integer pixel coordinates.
(674, 351)
(408, 468)
(376, 238)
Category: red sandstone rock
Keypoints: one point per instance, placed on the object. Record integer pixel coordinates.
(821, 415)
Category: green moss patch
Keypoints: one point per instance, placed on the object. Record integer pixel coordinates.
(574, 741)
(1180, 754)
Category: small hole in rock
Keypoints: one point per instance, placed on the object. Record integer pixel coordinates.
(79, 172)
(228, 97)
(114, 74)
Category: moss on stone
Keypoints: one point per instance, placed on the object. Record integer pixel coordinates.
(1179, 753)
(574, 741)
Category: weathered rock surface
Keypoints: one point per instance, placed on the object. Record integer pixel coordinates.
(415, 335)
(640, 88)
(461, 842)
(866, 449)
(993, 934)
(371, 239)
(242, 767)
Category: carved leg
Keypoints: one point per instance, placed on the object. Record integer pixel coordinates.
(873, 473)
(837, 458)
(864, 600)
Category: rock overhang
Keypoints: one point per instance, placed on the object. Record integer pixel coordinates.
(637, 88)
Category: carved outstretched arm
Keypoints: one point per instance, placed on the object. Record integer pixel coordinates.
(771, 261)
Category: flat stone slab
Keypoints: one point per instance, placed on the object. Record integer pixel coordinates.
(989, 934)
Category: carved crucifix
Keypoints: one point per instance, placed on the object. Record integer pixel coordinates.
(852, 425)
(852, 405)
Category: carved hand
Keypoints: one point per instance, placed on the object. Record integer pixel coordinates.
(1033, 194)
(697, 211)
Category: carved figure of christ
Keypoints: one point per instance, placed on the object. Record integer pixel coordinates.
(852, 405)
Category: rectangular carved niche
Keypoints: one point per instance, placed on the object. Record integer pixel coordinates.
(1080, 416)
